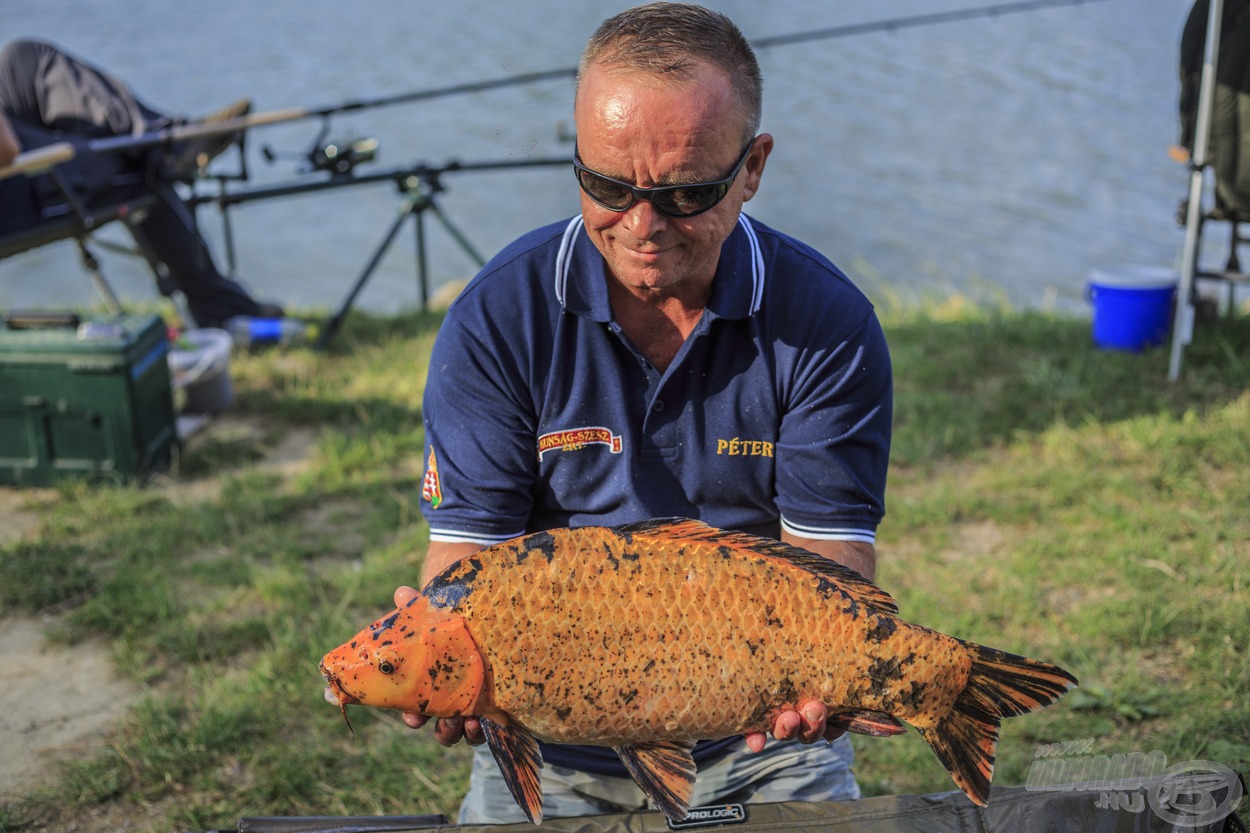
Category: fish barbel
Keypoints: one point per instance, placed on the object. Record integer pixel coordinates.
(650, 636)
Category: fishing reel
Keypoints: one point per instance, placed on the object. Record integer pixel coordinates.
(341, 158)
(337, 157)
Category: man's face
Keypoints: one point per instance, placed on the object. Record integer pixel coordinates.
(651, 132)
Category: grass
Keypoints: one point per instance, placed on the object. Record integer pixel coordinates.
(1045, 497)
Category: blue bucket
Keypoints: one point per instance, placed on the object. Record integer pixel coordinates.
(1133, 306)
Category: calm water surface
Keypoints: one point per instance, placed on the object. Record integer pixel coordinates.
(1004, 157)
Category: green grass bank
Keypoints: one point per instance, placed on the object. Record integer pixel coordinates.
(1045, 497)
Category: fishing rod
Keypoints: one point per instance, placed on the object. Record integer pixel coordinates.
(62, 152)
(914, 21)
(888, 25)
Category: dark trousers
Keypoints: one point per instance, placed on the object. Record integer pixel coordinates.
(50, 96)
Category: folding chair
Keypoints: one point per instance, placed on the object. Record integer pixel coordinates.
(122, 201)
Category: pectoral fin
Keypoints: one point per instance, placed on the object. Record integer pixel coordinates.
(664, 771)
(516, 752)
(876, 724)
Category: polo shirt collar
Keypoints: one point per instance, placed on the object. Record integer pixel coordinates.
(581, 280)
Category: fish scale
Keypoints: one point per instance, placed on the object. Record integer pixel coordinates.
(647, 637)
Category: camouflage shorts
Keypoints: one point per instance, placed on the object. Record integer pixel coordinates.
(784, 771)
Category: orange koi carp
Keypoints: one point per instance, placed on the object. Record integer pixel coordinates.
(650, 636)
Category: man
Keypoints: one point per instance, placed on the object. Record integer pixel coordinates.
(1229, 150)
(661, 354)
(48, 96)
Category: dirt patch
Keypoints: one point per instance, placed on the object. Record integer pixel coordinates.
(46, 714)
(19, 512)
(59, 703)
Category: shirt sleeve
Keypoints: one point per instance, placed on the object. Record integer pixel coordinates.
(479, 434)
(834, 442)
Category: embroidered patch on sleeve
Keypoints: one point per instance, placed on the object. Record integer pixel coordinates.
(431, 486)
(575, 439)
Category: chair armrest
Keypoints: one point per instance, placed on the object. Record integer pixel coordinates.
(39, 160)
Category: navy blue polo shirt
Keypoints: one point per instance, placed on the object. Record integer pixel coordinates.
(539, 412)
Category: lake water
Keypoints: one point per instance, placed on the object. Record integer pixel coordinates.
(1005, 157)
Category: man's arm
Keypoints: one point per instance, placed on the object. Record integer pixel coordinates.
(862, 558)
(441, 554)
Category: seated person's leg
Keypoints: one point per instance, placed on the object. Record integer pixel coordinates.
(169, 233)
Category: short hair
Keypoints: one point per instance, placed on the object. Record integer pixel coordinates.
(671, 39)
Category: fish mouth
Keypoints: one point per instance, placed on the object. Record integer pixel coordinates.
(335, 693)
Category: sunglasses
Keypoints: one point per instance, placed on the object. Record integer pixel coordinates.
(668, 200)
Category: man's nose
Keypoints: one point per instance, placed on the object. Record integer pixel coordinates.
(642, 220)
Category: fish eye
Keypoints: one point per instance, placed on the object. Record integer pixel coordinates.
(386, 666)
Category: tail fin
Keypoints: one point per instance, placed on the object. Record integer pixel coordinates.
(999, 685)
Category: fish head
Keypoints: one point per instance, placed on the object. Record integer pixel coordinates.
(417, 659)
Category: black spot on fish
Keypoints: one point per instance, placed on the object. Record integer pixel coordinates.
(630, 556)
(544, 542)
(448, 591)
(538, 687)
(913, 699)
(650, 664)
(611, 556)
(627, 696)
(882, 628)
(886, 670)
(725, 552)
(563, 712)
(752, 647)
(385, 624)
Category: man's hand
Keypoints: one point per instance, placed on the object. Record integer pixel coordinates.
(447, 730)
(806, 725)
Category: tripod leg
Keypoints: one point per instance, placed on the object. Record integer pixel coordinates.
(408, 206)
(458, 235)
(423, 269)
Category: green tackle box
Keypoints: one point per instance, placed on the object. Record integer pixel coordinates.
(87, 399)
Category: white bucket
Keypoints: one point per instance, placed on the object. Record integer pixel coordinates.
(202, 371)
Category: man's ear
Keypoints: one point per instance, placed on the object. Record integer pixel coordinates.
(754, 167)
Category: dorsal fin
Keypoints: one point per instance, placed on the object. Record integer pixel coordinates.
(849, 580)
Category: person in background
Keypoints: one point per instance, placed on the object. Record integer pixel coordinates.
(661, 354)
(48, 95)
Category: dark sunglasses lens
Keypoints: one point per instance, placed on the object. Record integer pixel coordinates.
(682, 202)
(604, 191)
